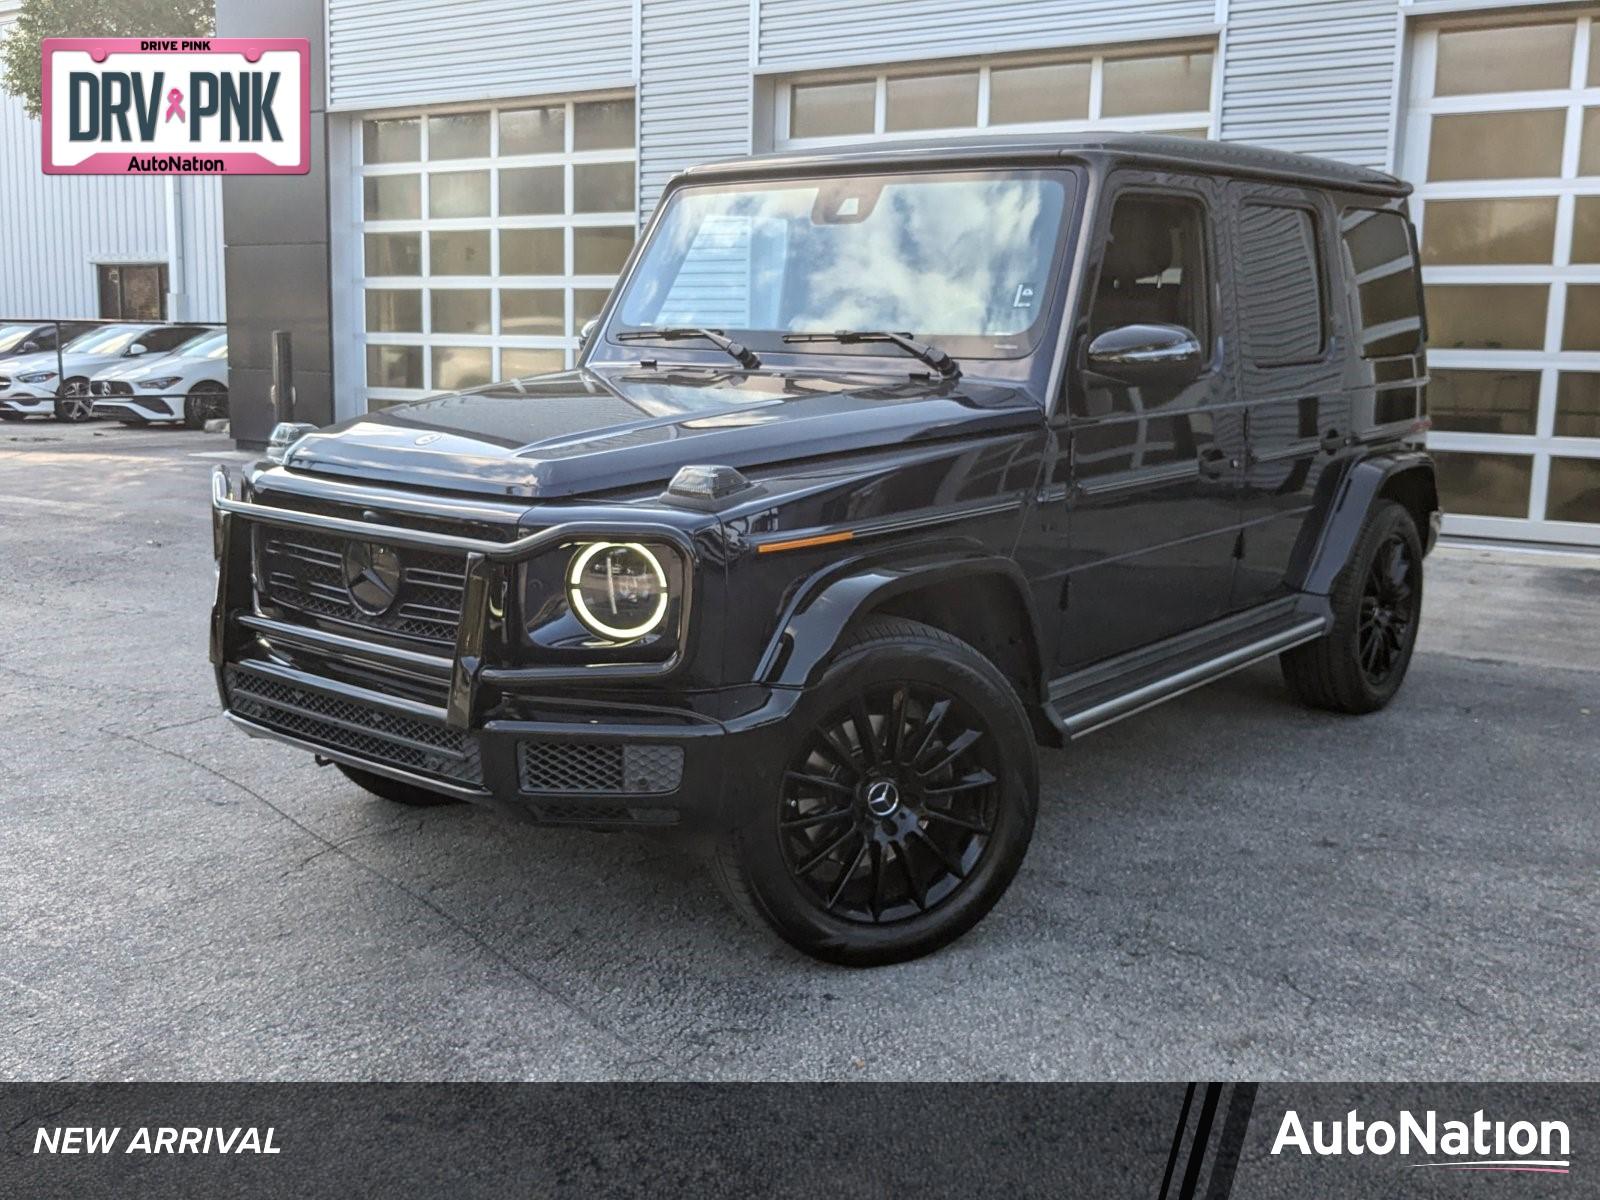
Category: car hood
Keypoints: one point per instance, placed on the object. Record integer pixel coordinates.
(607, 429)
(71, 364)
(142, 367)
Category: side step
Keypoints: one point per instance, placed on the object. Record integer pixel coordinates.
(1076, 709)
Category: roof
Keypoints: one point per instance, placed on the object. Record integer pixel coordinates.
(1230, 158)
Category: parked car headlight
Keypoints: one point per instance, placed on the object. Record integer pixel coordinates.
(37, 377)
(155, 385)
(618, 589)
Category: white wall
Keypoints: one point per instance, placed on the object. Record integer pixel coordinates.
(55, 228)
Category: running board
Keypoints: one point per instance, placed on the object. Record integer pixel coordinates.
(1108, 712)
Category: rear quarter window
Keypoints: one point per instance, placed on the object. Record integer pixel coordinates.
(1384, 268)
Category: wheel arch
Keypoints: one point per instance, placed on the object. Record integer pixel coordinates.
(1404, 476)
(983, 600)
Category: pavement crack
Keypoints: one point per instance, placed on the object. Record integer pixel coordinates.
(477, 939)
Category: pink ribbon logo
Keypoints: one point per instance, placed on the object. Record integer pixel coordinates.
(175, 105)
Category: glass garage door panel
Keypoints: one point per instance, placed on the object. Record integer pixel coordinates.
(1502, 140)
(489, 235)
(1154, 89)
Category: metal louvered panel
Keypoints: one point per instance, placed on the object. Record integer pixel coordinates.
(382, 54)
(803, 34)
(694, 88)
(55, 227)
(1313, 76)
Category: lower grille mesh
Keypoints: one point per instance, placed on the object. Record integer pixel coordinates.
(599, 768)
(395, 739)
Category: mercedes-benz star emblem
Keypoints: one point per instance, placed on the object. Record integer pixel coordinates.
(371, 576)
(883, 798)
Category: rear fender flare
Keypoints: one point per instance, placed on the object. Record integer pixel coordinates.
(1352, 496)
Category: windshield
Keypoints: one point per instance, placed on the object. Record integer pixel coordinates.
(210, 344)
(108, 339)
(12, 336)
(964, 260)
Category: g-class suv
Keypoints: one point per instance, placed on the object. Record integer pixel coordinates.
(880, 467)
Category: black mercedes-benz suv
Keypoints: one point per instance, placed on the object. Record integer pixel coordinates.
(881, 467)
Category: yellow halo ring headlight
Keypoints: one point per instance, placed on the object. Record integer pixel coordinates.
(580, 606)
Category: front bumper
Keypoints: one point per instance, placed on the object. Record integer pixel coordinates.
(592, 765)
(550, 750)
(28, 400)
(135, 408)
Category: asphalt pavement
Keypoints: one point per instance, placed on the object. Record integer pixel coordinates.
(1228, 886)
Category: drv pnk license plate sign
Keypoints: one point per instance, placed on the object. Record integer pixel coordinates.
(177, 106)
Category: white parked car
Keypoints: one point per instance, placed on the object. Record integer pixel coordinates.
(189, 385)
(51, 384)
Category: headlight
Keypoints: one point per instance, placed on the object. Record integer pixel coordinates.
(155, 385)
(618, 589)
(37, 377)
(283, 437)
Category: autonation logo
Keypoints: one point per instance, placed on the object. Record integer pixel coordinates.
(1476, 1145)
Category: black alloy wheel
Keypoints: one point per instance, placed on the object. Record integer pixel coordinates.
(1360, 663)
(1387, 610)
(206, 401)
(890, 803)
(75, 402)
(895, 807)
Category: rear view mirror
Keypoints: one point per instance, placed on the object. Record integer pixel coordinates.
(1147, 355)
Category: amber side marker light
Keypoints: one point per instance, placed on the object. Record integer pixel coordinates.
(822, 539)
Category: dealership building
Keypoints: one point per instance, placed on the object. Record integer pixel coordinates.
(480, 169)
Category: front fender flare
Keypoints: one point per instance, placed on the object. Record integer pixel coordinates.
(828, 603)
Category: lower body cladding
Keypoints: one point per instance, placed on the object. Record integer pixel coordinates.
(577, 764)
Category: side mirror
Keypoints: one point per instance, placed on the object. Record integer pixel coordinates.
(587, 331)
(137, 349)
(1147, 355)
(30, 347)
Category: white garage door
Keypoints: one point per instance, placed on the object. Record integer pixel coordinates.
(1502, 139)
(489, 236)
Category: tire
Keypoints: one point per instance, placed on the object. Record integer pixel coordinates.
(856, 874)
(395, 790)
(1360, 663)
(204, 401)
(10, 416)
(74, 405)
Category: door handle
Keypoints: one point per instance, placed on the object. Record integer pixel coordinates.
(1332, 441)
(1214, 464)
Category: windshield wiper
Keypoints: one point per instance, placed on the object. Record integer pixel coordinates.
(930, 354)
(746, 356)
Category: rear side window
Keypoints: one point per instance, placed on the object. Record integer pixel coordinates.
(1282, 285)
(1379, 245)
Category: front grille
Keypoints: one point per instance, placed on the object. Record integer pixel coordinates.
(396, 739)
(303, 570)
(599, 768)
